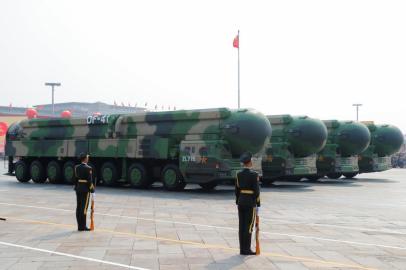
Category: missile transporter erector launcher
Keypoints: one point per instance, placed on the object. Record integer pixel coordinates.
(292, 152)
(178, 147)
(346, 140)
(386, 140)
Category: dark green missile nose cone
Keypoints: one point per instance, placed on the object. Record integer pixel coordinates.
(387, 140)
(306, 135)
(246, 130)
(352, 137)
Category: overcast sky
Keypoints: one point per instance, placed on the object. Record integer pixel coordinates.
(312, 58)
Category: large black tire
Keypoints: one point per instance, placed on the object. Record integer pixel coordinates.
(138, 176)
(294, 178)
(109, 174)
(267, 181)
(54, 172)
(22, 172)
(349, 175)
(172, 178)
(37, 172)
(209, 186)
(334, 175)
(314, 177)
(69, 172)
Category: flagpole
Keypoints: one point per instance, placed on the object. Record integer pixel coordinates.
(238, 68)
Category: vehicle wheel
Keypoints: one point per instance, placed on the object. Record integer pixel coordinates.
(267, 181)
(334, 175)
(108, 174)
(54, 172)
(294, 178)
(209, 185)
(350, 175)
(314, 177)
(172, 178)
(22, 172)
(137, 176)
(37, 172)
(69, 172)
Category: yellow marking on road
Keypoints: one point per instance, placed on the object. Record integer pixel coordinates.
(150, 237)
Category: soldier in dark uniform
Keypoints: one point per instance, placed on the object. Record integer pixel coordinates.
(83, 187)
(248, 200)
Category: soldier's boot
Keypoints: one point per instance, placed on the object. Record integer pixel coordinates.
(248, 246)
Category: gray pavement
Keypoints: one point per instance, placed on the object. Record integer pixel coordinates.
(342, 224)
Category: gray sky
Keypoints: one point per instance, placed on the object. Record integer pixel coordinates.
(312, 58)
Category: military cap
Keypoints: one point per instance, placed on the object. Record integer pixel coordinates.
(246, 157)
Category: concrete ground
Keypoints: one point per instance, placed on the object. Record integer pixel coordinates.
(342, 224)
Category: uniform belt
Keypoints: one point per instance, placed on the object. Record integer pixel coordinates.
(247, 191)
(82, 181)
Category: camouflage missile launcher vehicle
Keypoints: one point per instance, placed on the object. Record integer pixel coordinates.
(386, 140)
(292, 152)
(346, 139)
(178, 147)
(399, 159)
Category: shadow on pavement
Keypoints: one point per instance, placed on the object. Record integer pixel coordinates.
(330, 182)
(54, 236)
(286, 187)
(371, 180)
(228, 263)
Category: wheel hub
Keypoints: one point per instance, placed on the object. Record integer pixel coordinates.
(170, 177)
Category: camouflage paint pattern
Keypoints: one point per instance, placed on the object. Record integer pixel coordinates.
(386, 140)
(295, 142)
(203, 143)
(346, 139)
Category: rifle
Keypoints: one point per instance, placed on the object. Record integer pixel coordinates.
(257, 248)
(92, 205)
(92, 214)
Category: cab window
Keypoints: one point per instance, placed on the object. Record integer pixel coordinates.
(204, 151)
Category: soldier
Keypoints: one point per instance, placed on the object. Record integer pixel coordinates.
(248, 200)
(83, 187)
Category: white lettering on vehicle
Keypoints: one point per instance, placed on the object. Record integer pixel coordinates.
(97, 119)
(188, 159)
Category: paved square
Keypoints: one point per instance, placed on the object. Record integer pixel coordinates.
(341, 224)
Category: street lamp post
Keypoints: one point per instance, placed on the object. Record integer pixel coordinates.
(357, 105)
(53, 90)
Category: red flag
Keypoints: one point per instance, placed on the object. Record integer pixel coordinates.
(236, 42)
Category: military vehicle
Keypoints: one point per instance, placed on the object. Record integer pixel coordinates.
(176, 147)
(385, 141)
(398, 160)
(346, 139)
(292, 153)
